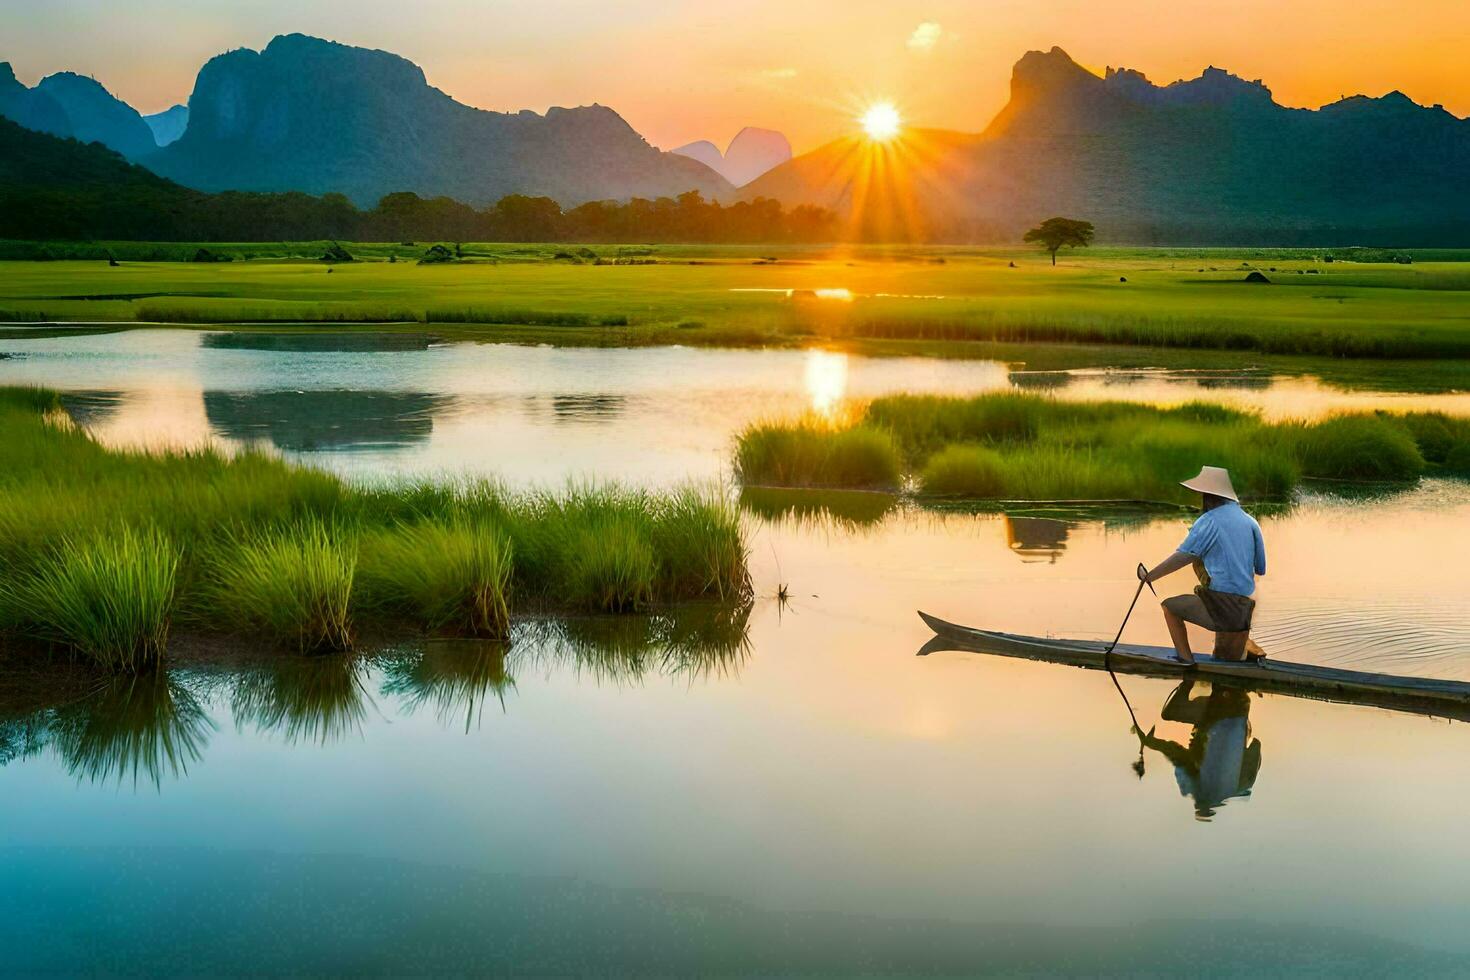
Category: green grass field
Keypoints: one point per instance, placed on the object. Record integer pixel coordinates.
(930, 299)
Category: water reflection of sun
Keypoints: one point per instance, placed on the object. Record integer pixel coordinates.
(826, 381)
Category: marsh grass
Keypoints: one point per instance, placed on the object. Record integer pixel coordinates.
(700, 546)
(451, 577)
(1360, 447)
(291, 584)
(292, 556)
(523, 317)
(1141, 325)
(814, 453)
(280, 312)
(1010, 446)
(108, 596)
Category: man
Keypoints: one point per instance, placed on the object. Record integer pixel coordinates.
(1226, 549)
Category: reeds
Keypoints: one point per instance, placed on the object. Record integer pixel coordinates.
(251, 546)
(1360, 447)
(445, 576)
(292, 585)
(1156, 323)
(609, 549)
(812, 453)
(108, 596)
(1009, 446)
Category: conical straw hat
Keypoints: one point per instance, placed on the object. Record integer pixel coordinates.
(1215, 480)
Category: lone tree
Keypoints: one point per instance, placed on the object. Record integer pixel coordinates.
(1058, 233)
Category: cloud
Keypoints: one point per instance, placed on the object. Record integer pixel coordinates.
(779, 73)
(925, 37)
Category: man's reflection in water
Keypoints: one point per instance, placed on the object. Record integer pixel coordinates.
(1222, 759)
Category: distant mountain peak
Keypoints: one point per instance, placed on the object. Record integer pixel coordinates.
(395, 69)
(96, 115)
(308, 114)
(752, 152)
(169, 124)
(30, 107)
(1041, 71)
(705, 152)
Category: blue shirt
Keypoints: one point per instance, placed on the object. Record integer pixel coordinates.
(1228, 541)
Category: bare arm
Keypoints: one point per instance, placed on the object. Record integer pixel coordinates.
(1170, 565)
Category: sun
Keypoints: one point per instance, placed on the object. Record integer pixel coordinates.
(881, 121)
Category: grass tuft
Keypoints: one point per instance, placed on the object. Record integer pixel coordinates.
(451, 577)
(1360, 447)
(813, 454)
(109, 596)
(292, 584)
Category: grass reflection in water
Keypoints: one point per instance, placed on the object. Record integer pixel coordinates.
(148, 726)
(155, 725)
(453, 677)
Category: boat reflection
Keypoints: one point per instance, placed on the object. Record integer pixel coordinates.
(1221, 759)
(144, 727)
(317, 699)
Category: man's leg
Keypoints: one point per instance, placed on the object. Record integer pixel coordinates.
(1230, 646)
(1181, 609)
(1179, 634)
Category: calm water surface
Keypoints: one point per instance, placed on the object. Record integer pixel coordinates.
(790, 791)
(407, 405)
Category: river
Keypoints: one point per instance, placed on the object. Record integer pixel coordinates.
(797, 792)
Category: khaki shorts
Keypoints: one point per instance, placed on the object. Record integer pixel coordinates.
(1191, 609)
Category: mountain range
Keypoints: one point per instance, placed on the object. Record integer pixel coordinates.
(1214, 159)
(305, 114)
(751, 153)
(312, 115)
(1208, 160)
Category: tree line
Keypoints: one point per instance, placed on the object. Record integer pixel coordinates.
(520, 218)
(62, 189)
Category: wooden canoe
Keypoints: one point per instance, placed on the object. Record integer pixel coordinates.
(1420, 695)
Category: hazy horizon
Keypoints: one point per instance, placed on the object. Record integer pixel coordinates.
(679, 73)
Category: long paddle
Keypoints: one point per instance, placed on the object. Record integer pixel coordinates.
(1108, 666)
(1142, 581)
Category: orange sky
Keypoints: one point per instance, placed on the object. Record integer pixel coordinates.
(684, 71)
